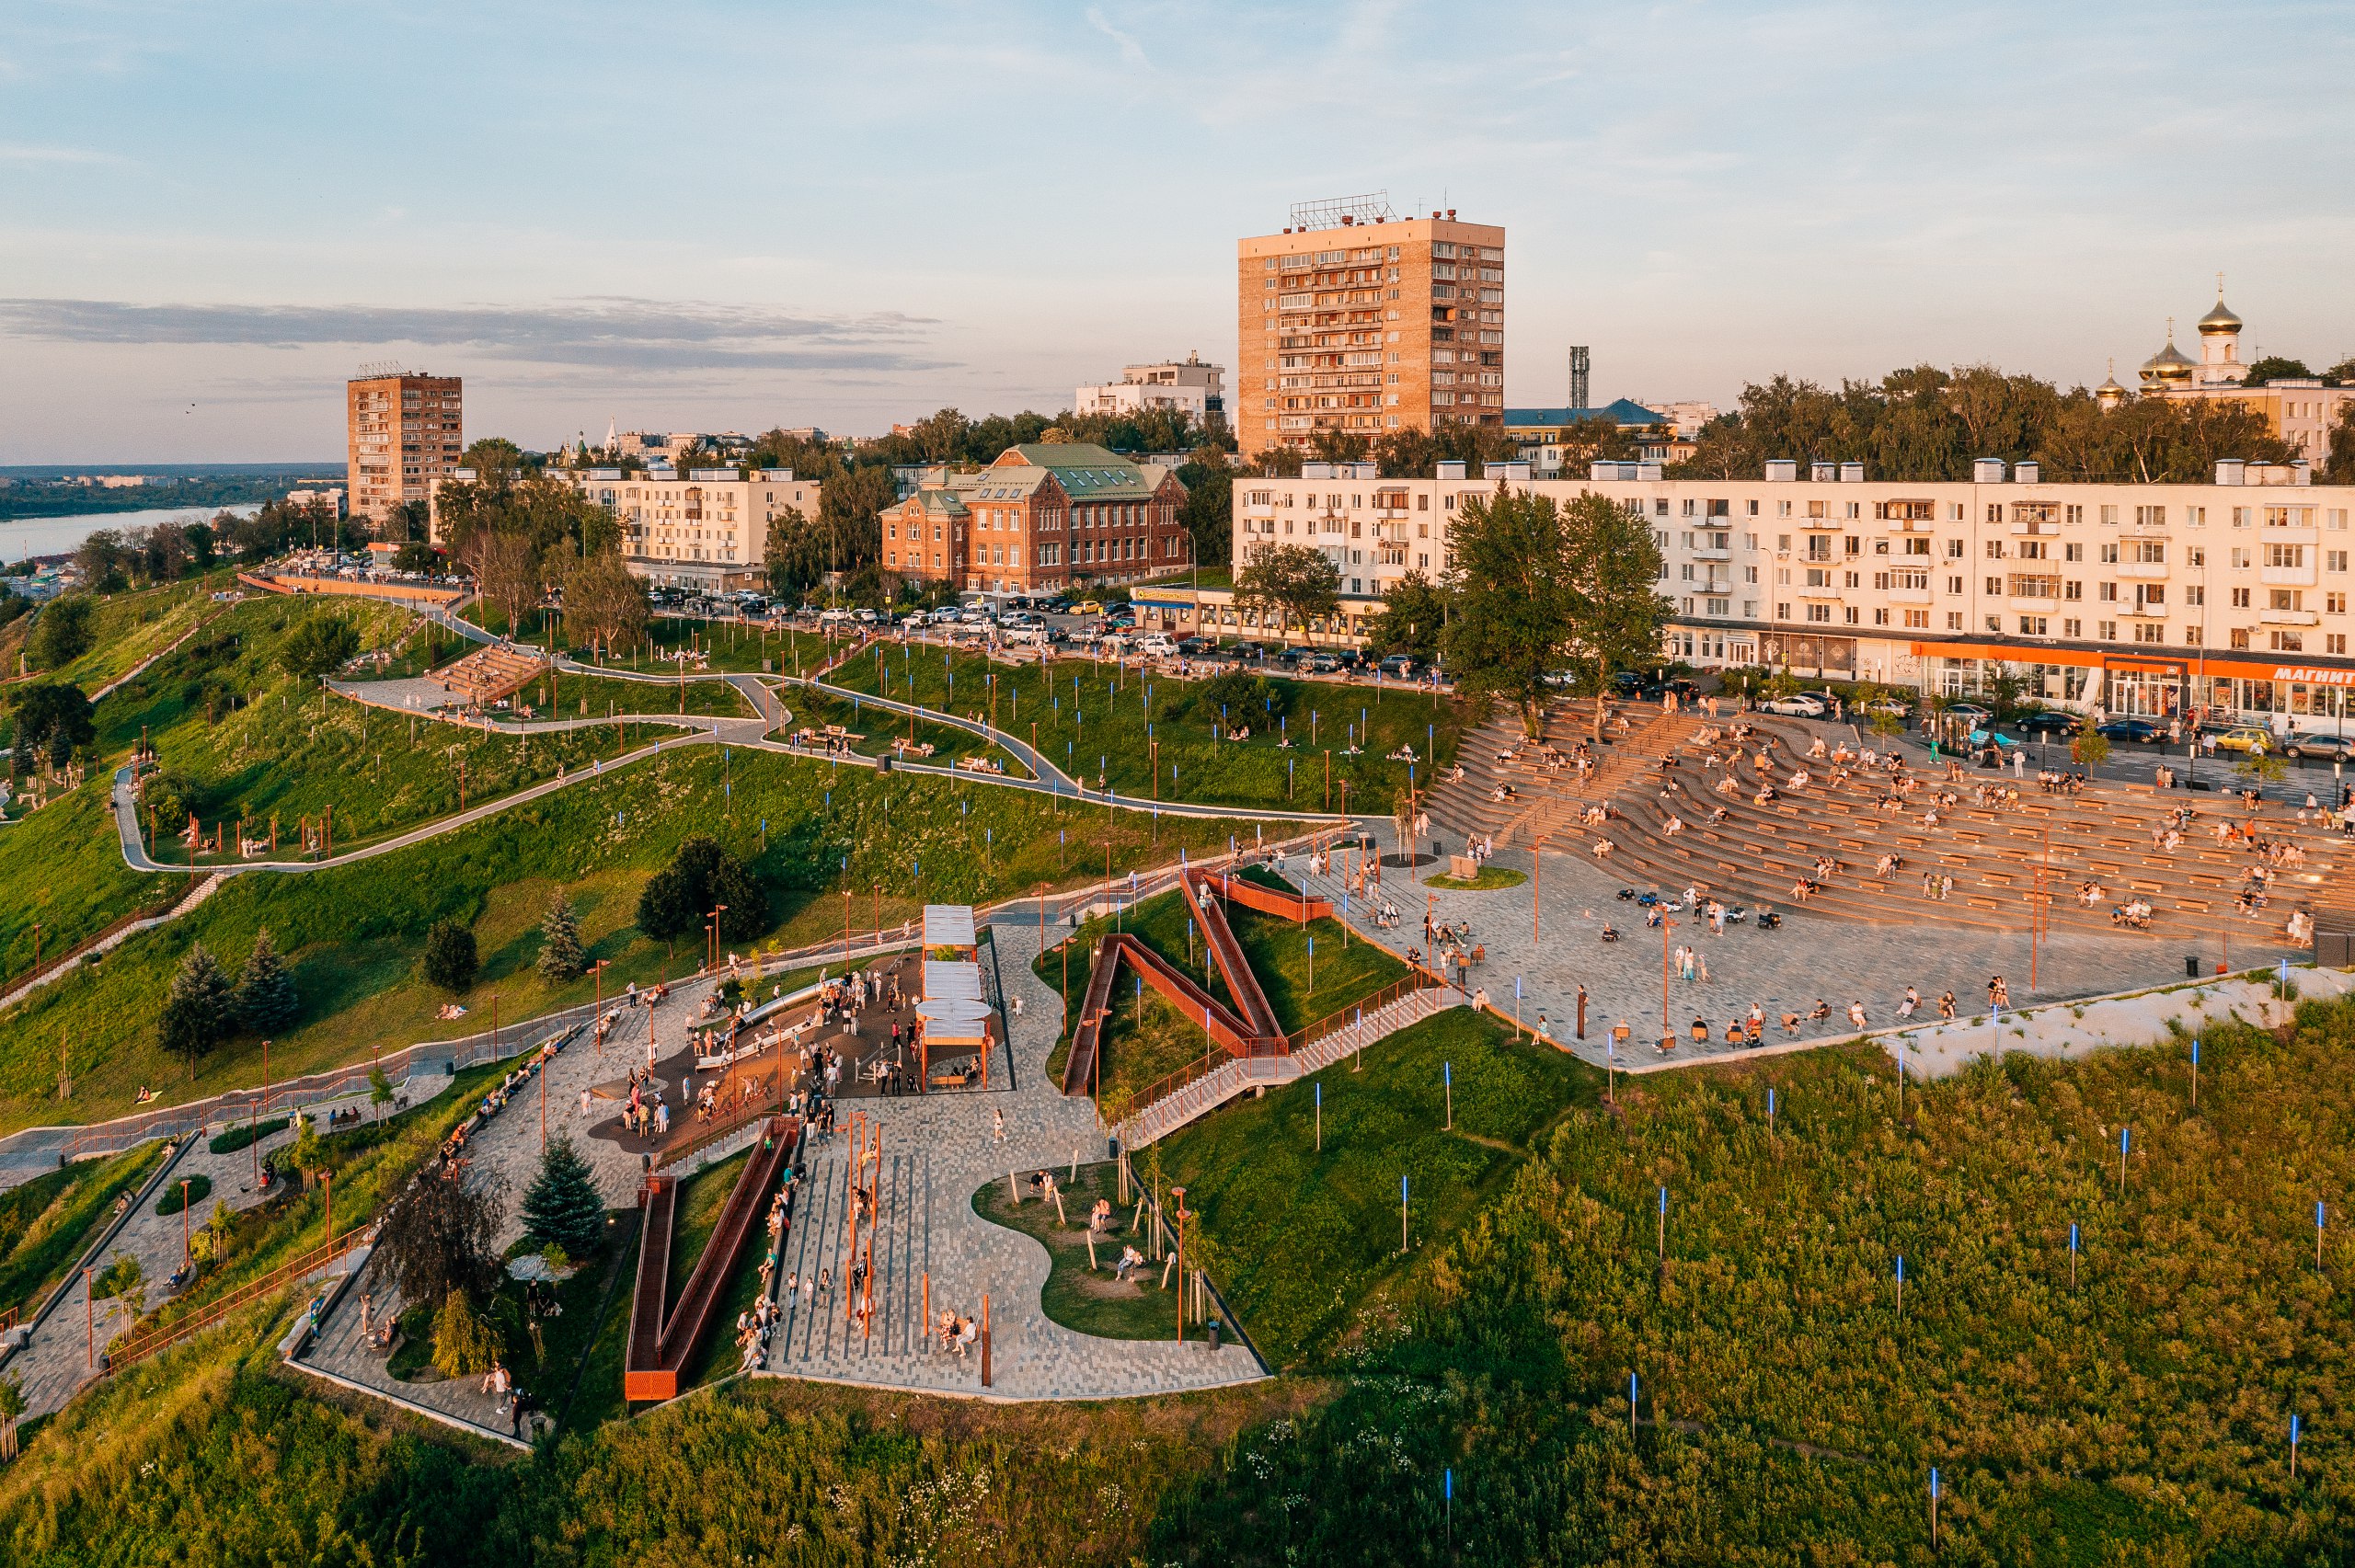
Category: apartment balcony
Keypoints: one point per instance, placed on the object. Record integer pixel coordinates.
(2286, 576)
(1908, 525)
(2025, 527)
(2144, 612)
(1910, 595)
(1828, 524)
(2290, 618)
(1711, 555)
(2142, 571)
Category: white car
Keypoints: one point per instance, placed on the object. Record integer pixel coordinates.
(1797, 705)
(1157, 646)
(835, 617)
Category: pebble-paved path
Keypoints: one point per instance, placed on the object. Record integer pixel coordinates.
(938, 1152)
(1782, 971)
(55, 1362)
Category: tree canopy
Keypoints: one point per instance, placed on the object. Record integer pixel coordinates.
(1927, 424)
(1297, 582)
(678, 899)
(200, 1008)
(54, 719)
(1410, 620)
(62, 631)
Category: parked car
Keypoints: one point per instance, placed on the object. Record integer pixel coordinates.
(2137, 729)
(1895, 707)
(2325, 748)
(1398, 667)
(1195, 648)
(1156, 645)
(835, 617)
(1968, 713)
(1798, 704)
(1086, 607)
(1323, 661)
(2049, 721)
(2253, 739)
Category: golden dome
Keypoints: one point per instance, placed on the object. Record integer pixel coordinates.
(2170, 366)
(2219, 321)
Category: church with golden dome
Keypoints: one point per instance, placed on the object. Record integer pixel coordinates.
(2301, 411)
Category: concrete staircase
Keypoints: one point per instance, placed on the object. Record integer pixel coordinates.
(1238, 1076)
(1546, 800)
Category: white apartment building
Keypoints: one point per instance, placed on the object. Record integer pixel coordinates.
(706, 529)
(2135, 598)
(1186, 385)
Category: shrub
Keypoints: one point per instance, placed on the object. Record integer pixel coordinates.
(1246, 698)
(200, 1187)
(465, 1342)
(238, 1137)
(677, 899)
(450, 959)
(61, 632)
(322, 644)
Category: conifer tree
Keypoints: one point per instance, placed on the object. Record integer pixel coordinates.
(266, 997)
(562, 1206)
(561, 957)
(199, 1007)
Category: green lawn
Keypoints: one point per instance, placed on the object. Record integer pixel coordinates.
(1306, 1244)
(45, 1223)
(881, 728)
(63, 868)
(1147, 1037)
(1091, 720)
(1080, 1297)
(594, 696)
(128, 627)
(353, 933)
(1487, 879)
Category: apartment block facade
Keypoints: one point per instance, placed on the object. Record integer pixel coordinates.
(402, 434)
(705, 529)
(1039, 519)
(1188, 386)
(1359, 323)
(2152, 599)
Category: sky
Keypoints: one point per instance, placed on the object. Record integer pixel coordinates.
(712, 216)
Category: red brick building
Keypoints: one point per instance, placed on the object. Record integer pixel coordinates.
(1040, 519)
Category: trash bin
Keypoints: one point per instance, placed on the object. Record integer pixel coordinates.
(1214, 1323)
(883, 763)
(2191, 966)
(1112, 1147)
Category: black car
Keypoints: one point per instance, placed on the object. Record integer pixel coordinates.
(2049, 721)
(2138, 729)
(1250, 650)
(1195, 648)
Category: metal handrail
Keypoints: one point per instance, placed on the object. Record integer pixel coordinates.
(215, 1311)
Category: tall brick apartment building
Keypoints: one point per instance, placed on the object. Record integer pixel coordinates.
(1039, 519)
(1355, 321)
(402, 433)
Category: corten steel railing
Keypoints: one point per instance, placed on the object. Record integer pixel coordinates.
(213, 1311)
(662, 1339)
(1342, 1018)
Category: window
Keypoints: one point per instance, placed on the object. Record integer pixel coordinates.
(2109, 516)
(2031, 549)
(2073, 550)
(1953, 549)
(2334, 560)
(2032, 626)
(1916, 547)
(2288, 642)
(1851, 614)
(2073, 589)
(1819, 613)
(1782, 611)
(2150, 552)
(2286, 599)
(2195, 593)
(1995, 587)
(2150, 632)
(1954, 620)
(1995, 624)
(2285, 556)
(1994, 549)
(2195, 557)
(2335, 603)
(2072, 628)
(2240, 598)
(2191, 636)
(2334, 642)
(1918, 620)
(2106, 630)
(2109, 552)
(2108, 593)
(2196, 516)
(1880, 617)
(2240, 638)
(1954, 585)
(2150, 517)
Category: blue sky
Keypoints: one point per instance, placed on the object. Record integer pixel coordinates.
(713, 216)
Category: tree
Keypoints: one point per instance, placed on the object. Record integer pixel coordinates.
(604, 600)
(416, 556)
(100, 556)
(124, 1278)
(508, 570)
(450, 958)
(322, 644)
(678, 899)
(1297, 582)
(199, 1007)
(1617, 611)
(266, 998)
(2089, 747)
(1410, 620)
(380, 1091)
(561, 957)
(438, 1237)
(2339, 467)
(62, 631)
(2276, 367)
(1209, 512)
(54, 720)
(465, 1343)
(496, 461)
(1512, 600)
(562, 1208)
(307, 1155)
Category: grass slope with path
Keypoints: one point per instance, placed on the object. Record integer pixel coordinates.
(1147, 1037)
(353, 933)
(594, 696)
(1091, 716)
(45, 1223)
(1082, 1296)
(63, 868)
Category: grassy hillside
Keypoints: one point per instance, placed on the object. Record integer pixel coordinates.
(1091, 717)
(355, 933)
(62, 867)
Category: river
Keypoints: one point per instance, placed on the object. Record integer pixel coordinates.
(55, 535)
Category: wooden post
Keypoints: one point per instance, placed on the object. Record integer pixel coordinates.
(985, 1339)
(928, 1312)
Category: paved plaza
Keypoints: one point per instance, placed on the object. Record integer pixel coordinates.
(1786, 970)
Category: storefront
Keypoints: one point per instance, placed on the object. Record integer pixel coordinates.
(1803, 653)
